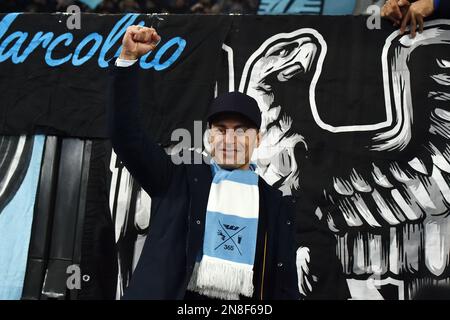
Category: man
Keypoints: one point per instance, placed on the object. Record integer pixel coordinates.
(404, 12)
(217, 230)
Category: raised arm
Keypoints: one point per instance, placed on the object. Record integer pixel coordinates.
(145, 159)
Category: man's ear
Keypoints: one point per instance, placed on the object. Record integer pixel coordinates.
(207, 140)
(210, 138)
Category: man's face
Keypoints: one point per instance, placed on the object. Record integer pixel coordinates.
(233, 139)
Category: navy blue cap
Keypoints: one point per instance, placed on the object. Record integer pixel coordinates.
(236, 102)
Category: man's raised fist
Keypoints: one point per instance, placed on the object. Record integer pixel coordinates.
(138, 41)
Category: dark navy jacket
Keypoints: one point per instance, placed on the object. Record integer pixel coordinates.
(179, 196)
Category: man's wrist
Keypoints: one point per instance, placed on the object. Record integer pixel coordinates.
(127, 56)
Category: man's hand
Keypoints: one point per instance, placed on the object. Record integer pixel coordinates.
(138, 41)
(417, 12)
(395, 10)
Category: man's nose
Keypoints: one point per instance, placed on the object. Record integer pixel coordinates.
(230, 137)
(229, 134)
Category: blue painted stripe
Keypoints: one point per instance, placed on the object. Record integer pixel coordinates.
(15, 228)
(341, 7)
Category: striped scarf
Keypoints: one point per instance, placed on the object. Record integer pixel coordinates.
(224, 269)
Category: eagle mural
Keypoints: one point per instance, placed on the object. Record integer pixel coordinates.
(383, 189)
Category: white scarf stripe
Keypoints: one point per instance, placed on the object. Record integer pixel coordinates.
(231, 201)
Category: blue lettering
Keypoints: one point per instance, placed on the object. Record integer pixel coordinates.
(97, 38)
(180, 42)
(6, 22)
(14, 50)
(115, 35)
(38, 38)
(144, 64)
(67, 38)
(12, 44)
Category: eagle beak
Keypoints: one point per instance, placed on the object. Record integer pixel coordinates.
(301, 63)
(290, 72)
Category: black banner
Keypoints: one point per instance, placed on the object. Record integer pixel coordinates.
(54, 79)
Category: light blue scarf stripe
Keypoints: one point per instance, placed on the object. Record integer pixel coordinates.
(233, 244)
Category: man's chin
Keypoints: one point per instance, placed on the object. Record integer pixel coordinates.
(229, 164)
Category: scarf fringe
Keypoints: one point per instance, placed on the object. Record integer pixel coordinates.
(222, 280)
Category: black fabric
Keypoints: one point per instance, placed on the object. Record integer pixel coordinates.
(68, 210)
(179, 198)
(38, 250)
(259, 271)
(236, 102)
(98, 249)
(324, 264)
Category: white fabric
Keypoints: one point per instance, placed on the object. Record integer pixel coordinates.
(124, 63)
(230, 202)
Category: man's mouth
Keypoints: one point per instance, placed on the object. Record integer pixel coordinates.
(229, 150)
